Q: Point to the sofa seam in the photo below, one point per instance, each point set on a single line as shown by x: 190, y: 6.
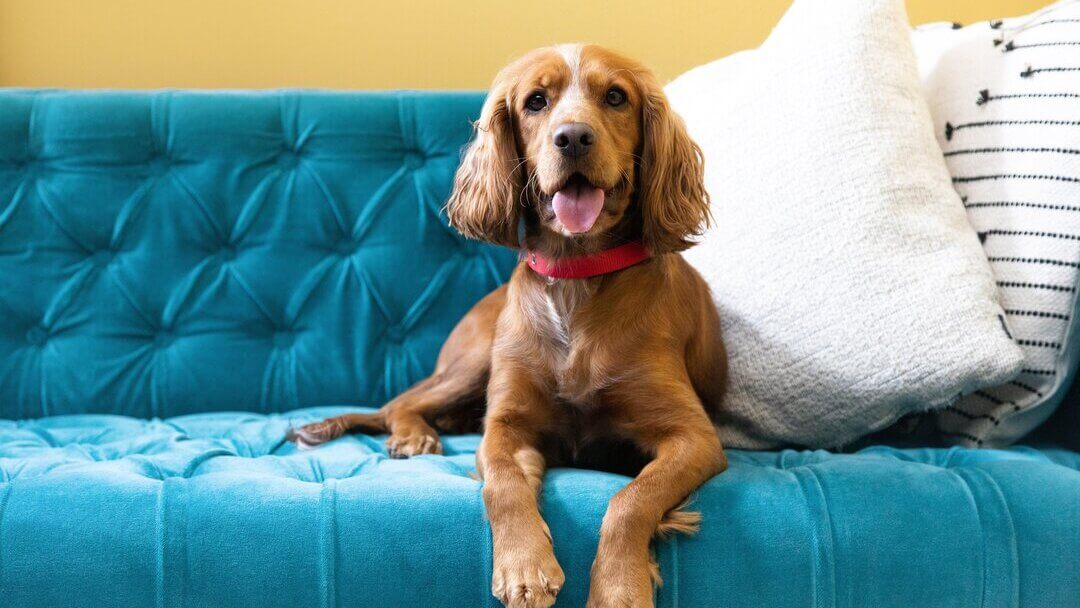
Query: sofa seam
x: 1014, y: 557
x: 328, y: 544
x: 958, y: 472
x: 6, y: 487
x: 159, y: 558
x: 1013, y: 552
x: 823, y: 545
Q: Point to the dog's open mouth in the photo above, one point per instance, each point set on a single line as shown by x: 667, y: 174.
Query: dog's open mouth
x: 578, y: 203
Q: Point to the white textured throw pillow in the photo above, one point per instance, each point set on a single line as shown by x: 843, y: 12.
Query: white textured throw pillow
x: 1005, y: 97
x: 851, y: 287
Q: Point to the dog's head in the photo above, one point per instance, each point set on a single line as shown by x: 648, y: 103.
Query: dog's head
x: 579, y: 140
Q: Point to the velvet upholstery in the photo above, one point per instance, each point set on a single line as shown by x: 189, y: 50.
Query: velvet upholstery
x: 185, y: 275
x: 216, y: 509
x: 182, y: 252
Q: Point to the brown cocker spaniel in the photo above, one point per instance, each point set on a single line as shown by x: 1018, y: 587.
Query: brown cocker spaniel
x: 604, y: 343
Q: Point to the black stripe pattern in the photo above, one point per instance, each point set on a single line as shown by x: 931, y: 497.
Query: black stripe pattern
x: 964, y: 179
x: 985, y: 97
x: 1031, y: 71
x: 951, y: 129
x: 1028, y: 204
x: 1012, y: 46
x: 1017, y: 260
x: 1036, y: 233
x: 1013, y: 155
x: 1023, y: 285
x: 1001, y: 150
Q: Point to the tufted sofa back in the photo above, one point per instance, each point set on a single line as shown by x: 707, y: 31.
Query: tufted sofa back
x: 177, y: 252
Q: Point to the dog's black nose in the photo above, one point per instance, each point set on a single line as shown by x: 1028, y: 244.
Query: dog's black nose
x: 574, y: 139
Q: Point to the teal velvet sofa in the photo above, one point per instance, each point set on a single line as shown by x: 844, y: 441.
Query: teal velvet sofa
x: 184, y: 275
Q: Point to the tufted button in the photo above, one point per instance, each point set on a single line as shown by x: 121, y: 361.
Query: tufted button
x: 346, y: 247
x: 102, y: 258
x: 284, y: 338
x: 288, y: 159
x: 414, y: 160
x: 28, y: 168
x: 158, y: 166
x: 163, y: 339
x: 227, y: 253
x: 395, y: 333
x: 37, y: 335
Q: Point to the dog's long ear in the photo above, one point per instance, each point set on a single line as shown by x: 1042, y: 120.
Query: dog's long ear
x: 484, y: 204
x: 671, y: 192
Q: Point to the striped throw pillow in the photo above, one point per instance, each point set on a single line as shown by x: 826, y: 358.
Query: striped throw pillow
x: 1005, y: 98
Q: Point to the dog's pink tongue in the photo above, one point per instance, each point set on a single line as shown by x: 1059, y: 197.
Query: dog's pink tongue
x: 578, y: 206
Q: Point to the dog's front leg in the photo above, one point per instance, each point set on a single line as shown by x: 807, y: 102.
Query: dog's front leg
x: 525, y: 573
x: 667, y: 419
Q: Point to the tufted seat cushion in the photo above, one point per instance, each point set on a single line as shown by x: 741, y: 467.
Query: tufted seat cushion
x: 216, y: 509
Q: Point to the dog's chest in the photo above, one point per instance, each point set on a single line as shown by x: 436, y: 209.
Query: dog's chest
x: 561, y: 300
x: 572, y: 350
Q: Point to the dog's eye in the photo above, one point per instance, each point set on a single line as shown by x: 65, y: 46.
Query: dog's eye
x: 536, y: 102
x: 615, y: 97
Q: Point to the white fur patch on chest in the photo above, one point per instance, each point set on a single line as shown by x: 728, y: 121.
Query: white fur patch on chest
x: 562, y: 300
x: 554, y: 311
x: 552, y: 308
x: 556, y: 320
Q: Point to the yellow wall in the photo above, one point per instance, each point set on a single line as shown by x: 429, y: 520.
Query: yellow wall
x: 366, y: 44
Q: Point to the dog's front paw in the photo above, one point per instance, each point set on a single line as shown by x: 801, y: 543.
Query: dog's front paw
x: 527, y: 579
x: 413, y: 444
x: 621, y: 583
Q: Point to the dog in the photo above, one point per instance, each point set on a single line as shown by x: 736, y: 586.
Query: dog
x: 604, y: 343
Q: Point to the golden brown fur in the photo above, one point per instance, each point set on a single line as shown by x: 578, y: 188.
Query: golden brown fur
x: 564, y: 371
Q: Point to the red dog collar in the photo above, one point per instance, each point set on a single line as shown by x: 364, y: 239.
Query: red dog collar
x: 584, y: 266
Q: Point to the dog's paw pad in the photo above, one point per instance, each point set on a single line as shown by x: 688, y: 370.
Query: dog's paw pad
x: 406, y: 446
x: 525, y: 587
